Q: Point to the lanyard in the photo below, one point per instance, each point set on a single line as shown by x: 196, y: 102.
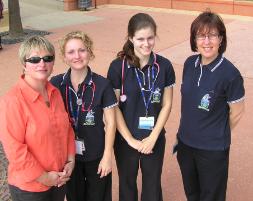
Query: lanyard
x: 151, y: 89
x: 70, y: 110
x: 123, y: 95
x: 149, y: 80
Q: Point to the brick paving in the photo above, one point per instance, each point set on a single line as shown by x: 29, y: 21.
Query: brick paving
x: 4, y: 191
x: 173, y: 43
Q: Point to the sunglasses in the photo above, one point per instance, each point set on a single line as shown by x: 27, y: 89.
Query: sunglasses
x: 35, y: 60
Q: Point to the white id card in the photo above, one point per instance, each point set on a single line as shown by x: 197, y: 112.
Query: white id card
x: 146, y: 123
x: 80, y: 148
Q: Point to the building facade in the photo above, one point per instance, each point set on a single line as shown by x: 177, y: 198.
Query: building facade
x: 234, y: 7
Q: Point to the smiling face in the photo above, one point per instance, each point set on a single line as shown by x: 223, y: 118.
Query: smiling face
x: 143, y: 42
x: 76, y: 55
x: 38, y: 71
x: 208, y: 43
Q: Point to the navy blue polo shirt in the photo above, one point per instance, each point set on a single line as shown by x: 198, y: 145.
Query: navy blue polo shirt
x: 92, y: 133
x: 134, y: 107
x: 206, y: 93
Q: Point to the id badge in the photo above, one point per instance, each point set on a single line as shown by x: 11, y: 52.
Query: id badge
x: 146, y: 123
x: 80, y: 148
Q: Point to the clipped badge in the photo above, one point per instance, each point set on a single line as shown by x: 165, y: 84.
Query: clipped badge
x: 156, y: 97
x: 89, y: 119
x: 204, y: 103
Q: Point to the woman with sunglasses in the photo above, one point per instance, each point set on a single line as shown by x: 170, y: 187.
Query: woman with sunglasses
x: 143, y: 84
x: 90, y: 101
x: 35, y: 131
x: 212, y: 105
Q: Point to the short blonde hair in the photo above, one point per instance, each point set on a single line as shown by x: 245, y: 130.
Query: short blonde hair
x: 34, y: 43
x: 88, y: 43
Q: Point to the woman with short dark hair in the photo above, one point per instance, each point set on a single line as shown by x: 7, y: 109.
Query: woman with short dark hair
x: 212, y: 104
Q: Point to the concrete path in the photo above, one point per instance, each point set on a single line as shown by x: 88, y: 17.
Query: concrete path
x: 107, y: 26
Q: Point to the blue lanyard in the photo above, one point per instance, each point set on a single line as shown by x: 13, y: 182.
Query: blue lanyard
x: 74, y: 114
x: 146, y: 103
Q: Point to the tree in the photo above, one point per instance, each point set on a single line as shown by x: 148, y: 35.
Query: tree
x: 15, y: 23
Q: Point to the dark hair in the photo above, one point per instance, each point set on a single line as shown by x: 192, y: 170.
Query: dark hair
x: 137, y: 22
x: 205, y: 22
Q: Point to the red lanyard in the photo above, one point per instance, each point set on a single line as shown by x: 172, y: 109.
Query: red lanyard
x: 93, y: 88
x: 122, y: 76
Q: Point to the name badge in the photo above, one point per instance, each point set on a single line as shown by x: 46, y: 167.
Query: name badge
x: 80, y: 148
x: 146, y: 123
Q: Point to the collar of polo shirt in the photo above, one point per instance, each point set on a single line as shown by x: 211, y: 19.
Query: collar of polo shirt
x: 213, y: 65
x: 151, y: 61
x: 66, y: 77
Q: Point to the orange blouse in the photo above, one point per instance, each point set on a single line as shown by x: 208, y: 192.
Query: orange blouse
x: 36, y: 138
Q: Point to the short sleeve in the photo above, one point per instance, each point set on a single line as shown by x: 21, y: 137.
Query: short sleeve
x: 235, y: 90
x: 114, y: 73
x: 109, y: 97
x: 170, y: 75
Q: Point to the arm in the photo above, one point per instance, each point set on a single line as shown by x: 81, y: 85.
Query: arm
x: 105, y: 165
x: 114, y: 75
x: 235, y: 114
x: 122, y: 127
x: 149, y: 142
x: 13, y: 131
x: 70, y: 163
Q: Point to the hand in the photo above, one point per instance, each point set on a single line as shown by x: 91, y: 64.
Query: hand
x: 63, y: 178
x: 136, y: 144
x: 148, y: 144
x: 66, y: 173
x: 68, y: 168
x: 105, y: 166
x: 49, y: 178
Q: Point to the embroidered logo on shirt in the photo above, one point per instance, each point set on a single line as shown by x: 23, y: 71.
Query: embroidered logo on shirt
x: 156, y: 97
x: 204, y: 103
x: 89, y: 119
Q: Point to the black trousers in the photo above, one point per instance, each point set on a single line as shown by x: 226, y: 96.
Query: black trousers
x: 53, y: 194
x: 86, y: 185
x: 128, y: 162
x: 204, y: 173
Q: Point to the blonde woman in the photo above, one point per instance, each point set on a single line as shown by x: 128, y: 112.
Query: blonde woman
x: 35, y: 131
x: 88, y: 97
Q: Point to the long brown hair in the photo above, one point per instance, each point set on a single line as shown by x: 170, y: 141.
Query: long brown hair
x: 136, y: 22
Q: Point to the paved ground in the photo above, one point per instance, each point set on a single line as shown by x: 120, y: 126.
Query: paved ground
x: 107, y: 26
